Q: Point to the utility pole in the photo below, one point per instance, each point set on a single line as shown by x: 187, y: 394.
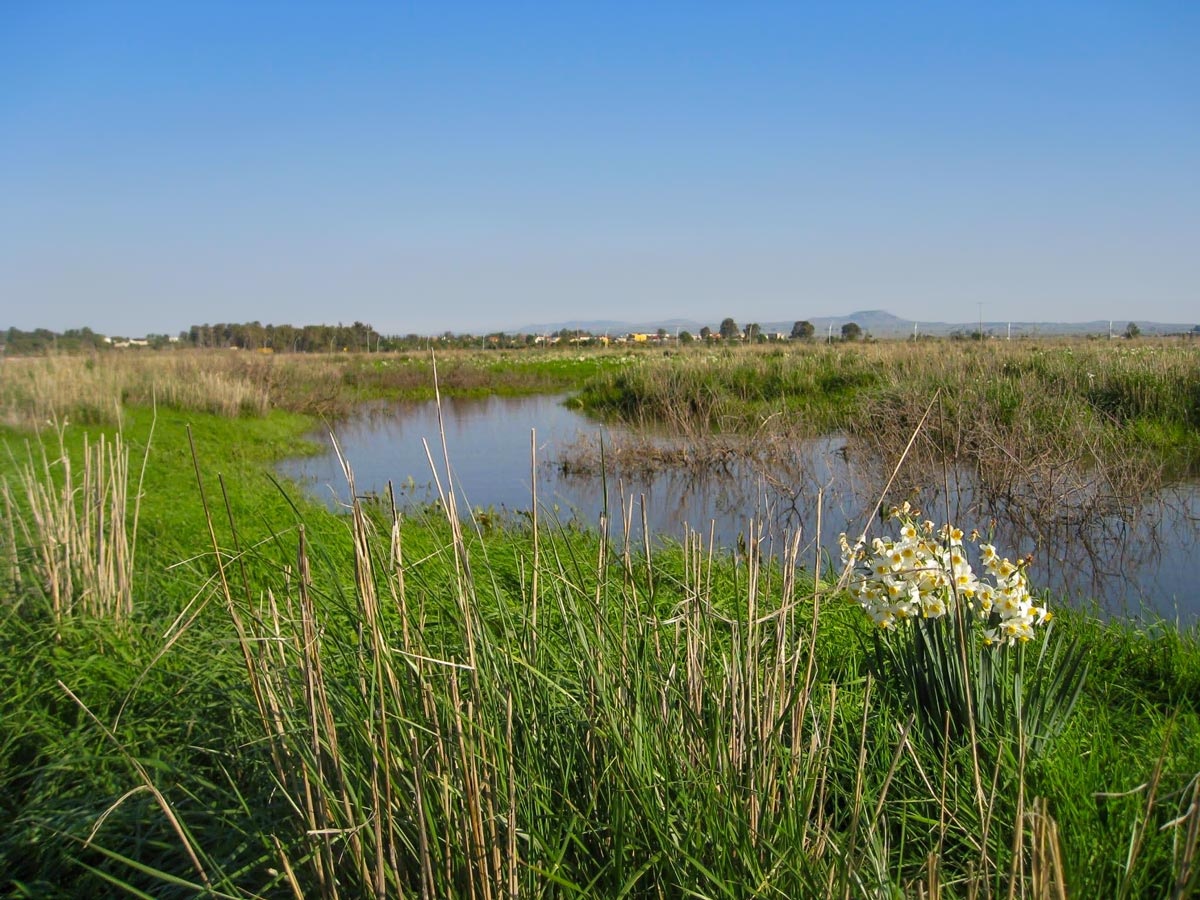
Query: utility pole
x: 980, y: 303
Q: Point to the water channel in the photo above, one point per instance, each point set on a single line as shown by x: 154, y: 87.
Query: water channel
x: 1128, y: 558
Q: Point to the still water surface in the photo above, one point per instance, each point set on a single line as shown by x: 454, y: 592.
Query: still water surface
x: 1130, y: 559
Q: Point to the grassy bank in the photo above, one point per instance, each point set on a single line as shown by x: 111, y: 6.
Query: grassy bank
x: 368, y: 705
x: 1010, y: 408
x: 90, y: 389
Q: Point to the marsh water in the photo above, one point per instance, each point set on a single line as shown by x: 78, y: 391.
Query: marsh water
x: 1128, y: 557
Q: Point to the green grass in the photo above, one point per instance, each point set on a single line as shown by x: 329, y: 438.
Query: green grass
x: 538, y: 710
x: 737, y: 391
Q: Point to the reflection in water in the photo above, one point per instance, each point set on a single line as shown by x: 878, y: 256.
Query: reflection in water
x: 1085, y: 545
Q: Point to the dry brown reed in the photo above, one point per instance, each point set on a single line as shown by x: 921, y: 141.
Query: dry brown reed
x: 88, y: 389
x: 72, y: 536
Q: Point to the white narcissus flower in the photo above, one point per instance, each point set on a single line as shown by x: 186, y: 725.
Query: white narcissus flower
x: 917, y: 576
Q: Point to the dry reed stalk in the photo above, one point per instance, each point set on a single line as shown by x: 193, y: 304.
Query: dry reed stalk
x: 932, y: 886
x: 267, y: 696
x: 163, y: 804
x: 1185, y: 851
x: 810, y: 665
x: 80, y: 531
x: 289, y: 873
x: 1047, y: 881
x: 514, y: 859
x: 986, y: 863
x: 320, y: 813
x: 1139, y: 831
x: 11, y: 553
x: 536, y: 566
x: 848, y: 861
x: 384, y: 686
x: 396, y: 582
x: 425, y: 857
x: 1016, y: 873
x: 821, y: 747
x: 943, y: 810
x: 901, y: 743
x: 479, y: 839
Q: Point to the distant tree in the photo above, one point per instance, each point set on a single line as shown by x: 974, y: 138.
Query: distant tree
x: 802, y: 330
x: 851, y: 331
x: 705, y: 333
x: 1132, y: 330
x: 752, y: 332
x: 685, y: 337
x: 729, y: 329
x: 662, y: 334
x: 14, y: 341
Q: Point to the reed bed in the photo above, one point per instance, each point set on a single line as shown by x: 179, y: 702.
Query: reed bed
x: 414, y: 706
x: 90, y: 389
x: 72, y: 535
x: 1053, y: 424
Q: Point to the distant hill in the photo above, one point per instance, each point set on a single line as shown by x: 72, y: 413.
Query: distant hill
x: 876, y: 322
x: 883, y: 324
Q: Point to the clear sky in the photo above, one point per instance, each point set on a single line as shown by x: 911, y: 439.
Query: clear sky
x: 476, y: 166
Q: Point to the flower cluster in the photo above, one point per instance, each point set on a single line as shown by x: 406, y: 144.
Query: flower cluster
x: 924, y: 572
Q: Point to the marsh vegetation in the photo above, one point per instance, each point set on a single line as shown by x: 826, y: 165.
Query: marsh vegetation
x: 1006, y: 407
x: 91, y: 389
x: 303, y: 703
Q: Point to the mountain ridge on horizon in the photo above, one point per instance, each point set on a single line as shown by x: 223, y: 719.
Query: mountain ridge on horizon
x: 876, y: 322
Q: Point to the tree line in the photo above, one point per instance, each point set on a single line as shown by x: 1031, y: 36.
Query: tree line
x: 354, y: 338
x: 43, y: 340
x: 284, y: 338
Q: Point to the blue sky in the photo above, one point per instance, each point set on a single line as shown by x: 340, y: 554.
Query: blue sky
x: 478, y: 166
